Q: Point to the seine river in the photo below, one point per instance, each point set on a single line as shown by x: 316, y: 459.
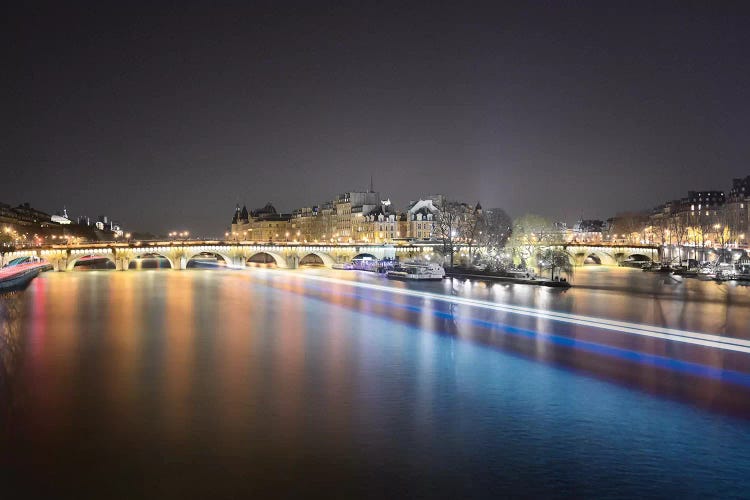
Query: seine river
x: 214, y: 383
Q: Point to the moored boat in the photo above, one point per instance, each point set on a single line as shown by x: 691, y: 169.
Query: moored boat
x: 657, y: 267
x: 20, y: 275
x: 634, y: 262
x: 417, y: 272
x: 725, y: 271
x: 347, y: 266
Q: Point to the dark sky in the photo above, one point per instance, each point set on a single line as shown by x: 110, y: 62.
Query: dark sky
x: 164, y: 116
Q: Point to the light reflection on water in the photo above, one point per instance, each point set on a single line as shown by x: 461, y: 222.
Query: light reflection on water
x: 215, y: 382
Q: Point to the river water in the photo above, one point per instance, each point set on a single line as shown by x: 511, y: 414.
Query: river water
x: 280, y: 383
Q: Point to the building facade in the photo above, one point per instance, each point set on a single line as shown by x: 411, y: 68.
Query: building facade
x: 264, y: 224
x: 706, y: 219
x: 737, y: 207
x: 353, y: 216
x: 421, y: 219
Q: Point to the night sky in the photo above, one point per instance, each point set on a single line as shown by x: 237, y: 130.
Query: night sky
x: 165, y: 116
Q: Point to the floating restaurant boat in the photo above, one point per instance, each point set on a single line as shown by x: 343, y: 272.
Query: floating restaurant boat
x: 725, y: 271
x: 657, y: 267
x: 637, y: 263
x: 687, y: 272
x: 417, y: 272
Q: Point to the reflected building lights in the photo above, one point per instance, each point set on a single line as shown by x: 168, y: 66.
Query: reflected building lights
x: 702, y: 339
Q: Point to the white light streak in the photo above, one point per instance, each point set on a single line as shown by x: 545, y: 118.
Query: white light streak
x: 702, y: 339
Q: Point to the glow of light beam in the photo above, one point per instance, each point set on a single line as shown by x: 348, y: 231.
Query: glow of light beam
x: 702, y: 339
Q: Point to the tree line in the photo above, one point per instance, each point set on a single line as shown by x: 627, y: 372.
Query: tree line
x: 494, y: 242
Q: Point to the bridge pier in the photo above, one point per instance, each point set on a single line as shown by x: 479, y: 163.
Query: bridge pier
x: 292, y: 262
x: 237, y: 262
x: 60, y: 265
x: 180, y: 263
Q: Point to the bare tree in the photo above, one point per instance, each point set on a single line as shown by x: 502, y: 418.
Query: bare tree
x: 470, y: 227
x: 531, y: 233
x: 6, y: 240
x: 704, y: 223
x: 629, y: 224
x: 555, y: 259
x: 678, y: 228
x: 726, y: 228
x: 494, y: 230
x: 448, y: 225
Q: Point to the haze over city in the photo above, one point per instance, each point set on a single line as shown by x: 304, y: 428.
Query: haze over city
x: 412, y: 249
x: 168, y: 115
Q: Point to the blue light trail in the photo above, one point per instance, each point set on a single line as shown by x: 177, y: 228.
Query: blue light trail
x: 622, y: 327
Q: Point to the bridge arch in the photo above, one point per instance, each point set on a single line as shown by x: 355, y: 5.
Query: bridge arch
x: 324, y: 258
x: 76, y: 258
x: 261, y: 257
x: 192, y: 255
x: 639, y: 257
x: 598, y: 257
x: 589, y: 256
x: 133, y: 263
x: 592, y: 259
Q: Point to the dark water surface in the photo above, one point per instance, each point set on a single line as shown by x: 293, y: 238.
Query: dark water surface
x: 206, y: 383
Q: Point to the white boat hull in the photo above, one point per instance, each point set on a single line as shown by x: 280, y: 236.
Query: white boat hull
x: 417, y: 272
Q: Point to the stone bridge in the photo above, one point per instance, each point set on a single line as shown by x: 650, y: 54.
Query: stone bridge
x: 608, y: 255
x: 287, y: 255
x: 235, y: 254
